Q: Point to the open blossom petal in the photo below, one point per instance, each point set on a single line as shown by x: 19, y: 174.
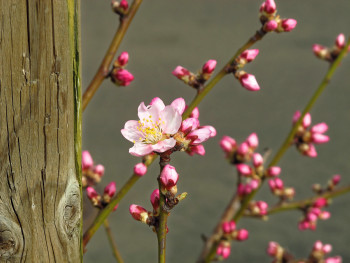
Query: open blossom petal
x: 131, y: 133
x: 140, y: 149
x: 164, y: 145
x: 148, y: 115
x: 200, y: 135
x: 170, y: 120
x: 179, y: 105
x: 158, y: 103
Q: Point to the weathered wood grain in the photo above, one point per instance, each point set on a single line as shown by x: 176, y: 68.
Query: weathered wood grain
x: 40, y: 197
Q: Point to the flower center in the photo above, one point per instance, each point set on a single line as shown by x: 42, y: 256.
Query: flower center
x: 151, y: 132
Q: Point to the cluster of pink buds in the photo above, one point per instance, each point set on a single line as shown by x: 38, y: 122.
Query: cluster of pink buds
x: 237, y: 154
x: 258, y: 208
x: 121, y: 7
x: 91, y: 174
x: 332, y: 183
x: 330, y: 54
x: 195, y: 80
x: 119, y: 74
x: 313, y: 213
x: 278, y: 189
x: 307, y: 136
x: 248, y: 81
x: 168, y: 179
x: 191, y: 134
x: 230, y: 233
x: 247, y: 187
x: 271, y: 21
x: 319, y: 251
x: 102, y: 201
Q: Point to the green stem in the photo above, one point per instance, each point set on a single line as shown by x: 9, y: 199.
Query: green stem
x: 223, y: 72
x: 104, y: 213
x: 103, y: 70
x: 112, y: 242
x: 212, y: 251
x: 300, y: 204
x: 163, y: 216
x: 310, y: 104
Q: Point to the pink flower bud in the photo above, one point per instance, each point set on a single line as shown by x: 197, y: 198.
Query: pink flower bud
x: 333, y: 260
x: 110, y: 189
x: 197, y: 149
x: 244, y: 169
x: 155, y: 199
x: 288, y: 24
x: 273, y: 171
x: 324, y: 215
x: 319, y: 138
x: 124, y: 5
x: 227, y: 144
x: 87, y: 161
x: 189, y: 124
x: 319, y: 128
x: 99, y: 169
x: 311, y: 152
x: 223, y: 250
x: 311, y: 217
x: 270, y: 26
x: 303, y: 225
x: 91, y: 192
x: 263, y: 206
x: 212, y: 130
x: 270, y: 6
x: 115, y: 208
x: 242, y: 234
x: 229, y: 227
x: 138, y: 213
x: 200, y: 135
x: 336, y: 179
x: 122, y: 77
x: 249, y: 82
x: 195, y: 113
x: 140, y: 169
x: 123, y: 59
x: 317, y: 246
x: 181, y: 72
x: 340, y: 41
x: 327, y: 248
x: 320, y: 51
x: 169, y: 176
x: 243, y: 148
x: 249, y: 54
x: 320, y: 202
x: 179, y: 105
x: 257, y: 159
x: 241, y: 189
x: 307, y: 120
x: 272, y: 249
x: 253, y: 140
x: 209, y: 66
x: 254, y: 184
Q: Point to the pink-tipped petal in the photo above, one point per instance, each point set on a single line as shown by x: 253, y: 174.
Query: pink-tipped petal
x: 248, y: 81
x: 179, y: 105
x: 189, y: 124
x: 200, y: 135
x: 158, y: 104
x: 87, y: 161
x: 209, y: 66
x: 110, y: 189
x: 319, y: 138
x: 319, y: 128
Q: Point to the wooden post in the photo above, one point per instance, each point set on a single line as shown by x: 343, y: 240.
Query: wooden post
x: 40, y: 131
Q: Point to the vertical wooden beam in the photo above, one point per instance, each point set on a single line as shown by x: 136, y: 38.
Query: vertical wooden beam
x: 40, y: 131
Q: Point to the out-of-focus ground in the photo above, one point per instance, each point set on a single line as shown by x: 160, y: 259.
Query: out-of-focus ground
x: 165, y: 34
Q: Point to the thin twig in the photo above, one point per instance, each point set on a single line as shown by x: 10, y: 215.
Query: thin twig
x: 112, y: 242
x: 210, y: 253
x: 104, y: 68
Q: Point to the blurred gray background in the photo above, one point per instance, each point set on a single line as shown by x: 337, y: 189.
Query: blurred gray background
x: 165, y: 34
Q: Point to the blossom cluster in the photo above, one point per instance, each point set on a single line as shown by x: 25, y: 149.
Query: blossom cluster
x: 119, y: 75
x: 313, y: 213
x: 330, y: 54
x: 306, y: 136
x: 223, y: 250
x: 271, y: 21
x: 91, y: 174
x: 161, y: 128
